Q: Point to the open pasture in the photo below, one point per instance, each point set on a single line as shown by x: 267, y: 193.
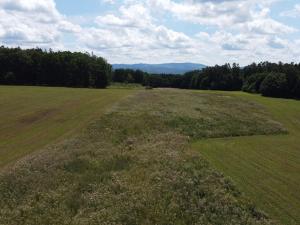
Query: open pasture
x: 134, y: 165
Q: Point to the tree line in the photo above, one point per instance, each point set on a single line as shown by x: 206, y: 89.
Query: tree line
x: 273, y: 79
x: 269, y: 79
x: 48, y: 68
x: 75, y: 69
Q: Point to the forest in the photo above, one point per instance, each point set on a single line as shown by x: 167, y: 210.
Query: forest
x: 49, y: 68
x: 67, y: 69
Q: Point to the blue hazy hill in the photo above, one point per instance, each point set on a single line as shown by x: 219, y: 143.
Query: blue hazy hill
x: 166, y: 68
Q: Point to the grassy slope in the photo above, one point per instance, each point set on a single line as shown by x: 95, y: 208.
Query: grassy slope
x: 134, y: 166
x: 32, y: 117
x: 266, y: 168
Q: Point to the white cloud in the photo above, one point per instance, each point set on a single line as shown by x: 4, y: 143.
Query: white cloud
x: 133, y: 31
x: 267, y: 26
x: 242, y: 34
x: 234, y: 31
x: 252, y: 15
x: 67, y: 26
x: 32, y: 22
x: 132, y: 16
x: 47, y: 7
x: 221, y: 13
x: 245, y: 48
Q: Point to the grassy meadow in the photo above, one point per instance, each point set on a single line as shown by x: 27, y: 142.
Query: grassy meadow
x: 266, y: 168
x: 33, y: 117
x: 134, y: 165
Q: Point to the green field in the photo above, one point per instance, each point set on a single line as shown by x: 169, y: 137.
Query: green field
x: 33, y: 117
x: 266, y: 168
x: 114, y: 159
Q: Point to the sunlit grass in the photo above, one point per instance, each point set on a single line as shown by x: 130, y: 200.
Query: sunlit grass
x: 33, y: 117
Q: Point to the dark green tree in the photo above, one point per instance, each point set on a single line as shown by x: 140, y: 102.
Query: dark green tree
x: 253, y: 82
x: 274, y: 85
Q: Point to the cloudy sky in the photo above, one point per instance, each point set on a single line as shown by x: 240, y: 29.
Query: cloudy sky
x: 158, y: 31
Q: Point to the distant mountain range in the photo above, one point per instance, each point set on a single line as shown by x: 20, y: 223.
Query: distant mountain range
x: 166, y: 68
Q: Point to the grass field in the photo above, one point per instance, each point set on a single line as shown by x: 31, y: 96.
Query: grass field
x: 134, y: 166
x: 266, y: 168
x: 33, y: 117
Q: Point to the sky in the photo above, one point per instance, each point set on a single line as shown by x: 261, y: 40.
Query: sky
x: 158, y: 31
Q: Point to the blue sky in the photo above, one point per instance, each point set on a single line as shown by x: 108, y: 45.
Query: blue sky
x: 157, y: 31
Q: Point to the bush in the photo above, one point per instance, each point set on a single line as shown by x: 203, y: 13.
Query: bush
x: 274, y: 85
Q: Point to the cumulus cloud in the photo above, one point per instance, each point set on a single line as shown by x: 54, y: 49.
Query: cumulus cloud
x: 136, y: 31
x: 133, y: 30
x: 245, y: 48
x: 244, y: 31
x: 132, y: 16
x: 47, y: 7
x: 248, y: 14
x: 32, y: 22
x: 220, y: 13
x: 267, y: 26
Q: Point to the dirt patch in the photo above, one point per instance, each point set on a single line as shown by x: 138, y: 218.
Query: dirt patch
x: 39, y: 115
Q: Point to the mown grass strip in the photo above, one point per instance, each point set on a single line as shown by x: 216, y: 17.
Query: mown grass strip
x: 33, y: 117
x: 266, y: 168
